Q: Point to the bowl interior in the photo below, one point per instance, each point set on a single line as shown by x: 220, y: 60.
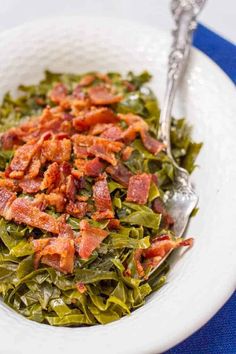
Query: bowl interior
x: 203, y: 279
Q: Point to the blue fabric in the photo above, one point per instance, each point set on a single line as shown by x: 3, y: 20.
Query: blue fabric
x: 218, y: 336
x: 218, y: 49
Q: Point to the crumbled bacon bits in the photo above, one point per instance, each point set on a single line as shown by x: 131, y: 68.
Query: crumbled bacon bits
x: 91, y: 237
x: 58, y: 93
x: 65, y: 159
x: 96, y: 115
x: 94, y: 167
x: 81, y: 288
x: 138, y: 188
x: 120, y: 174
x: 102, y: 199
x: 101, y: 95
x: 161, y: 245
x: 56, y: 252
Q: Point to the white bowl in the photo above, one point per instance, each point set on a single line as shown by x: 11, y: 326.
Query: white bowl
x: 202, y: 280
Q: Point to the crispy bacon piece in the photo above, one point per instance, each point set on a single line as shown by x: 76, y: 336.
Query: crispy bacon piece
x: 64, y: 248
x: 101, y: 95
x: 16, y: 174
x: 94, y: 167
x: 120, y: 174
x: 151, y: 263
x: 127, y: 272
x: 79, y: 101
x: 87, y: 80
x: 77, y: 242
x: 61, y: 136
x: 56, y: 150
x: 23, y: 156
x: 23, y: 211
x: 104, y: 152
x: 91, y: 238
x: 9, y: 139
x: 97, y: 115
x: 7, y: 172
x: 101, y: 215
x: 107, y: 130
x: 56, y: 252
x: 67, y: 255
x: 57, y: 200
x: 101, y: 195
x: 99, y: 128
x: 82, y: 198
x: 30, y: 185
x: 39, y: 129
x: 46, y: 116
x: 40, y: 201
x: 99, y: 147
x: 52, y: 120
x: 58, y: 93
x: 104, y: 77
x: 137, y: 261
x: 77, y: 209
x: 65, y: 126
x: 81, y: 288
x: 112, y: 133
x: 162, y: 245
x: 54, y: 125
x: 65, y: 169
x: 10, y: 184
x: 79, y: 178
x: 152, y: 256
x: 134, y: 120
x: 65, y: 229
x: 67, y: 117
x: 51, y: 176
x: 126, y: 153
x: 70, y: 188
x: 34, y: 167
x: 80, y: 165
x: 89, y: 140
x: 114, y: 224
x: 78, y: 93
x: 6, y: 199
x: 15, y: 136
x: 152, y: 145
x: 138, y: 125
x: 155, y: 179
x: 40, y: 244
x: 80, y: 152
x: 105, y: 149
x: 138, y: 188
x: 159, y: 207
x: 129, y: 134
x: 52, y: 260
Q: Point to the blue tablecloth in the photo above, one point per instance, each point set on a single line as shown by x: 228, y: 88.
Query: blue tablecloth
x: 218, y: 336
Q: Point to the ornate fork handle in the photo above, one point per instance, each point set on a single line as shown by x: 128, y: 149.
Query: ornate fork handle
x: 185, y: 13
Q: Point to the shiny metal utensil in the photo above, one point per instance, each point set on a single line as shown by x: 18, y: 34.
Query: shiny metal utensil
x: 181, y: 199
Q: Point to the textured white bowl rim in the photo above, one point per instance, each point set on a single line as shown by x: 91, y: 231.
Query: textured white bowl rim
x: 21, y: 336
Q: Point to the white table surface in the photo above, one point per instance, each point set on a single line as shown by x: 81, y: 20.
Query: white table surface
x: 219, y: 15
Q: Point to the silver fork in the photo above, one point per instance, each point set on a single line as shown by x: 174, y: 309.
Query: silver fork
x: 181, y: 199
